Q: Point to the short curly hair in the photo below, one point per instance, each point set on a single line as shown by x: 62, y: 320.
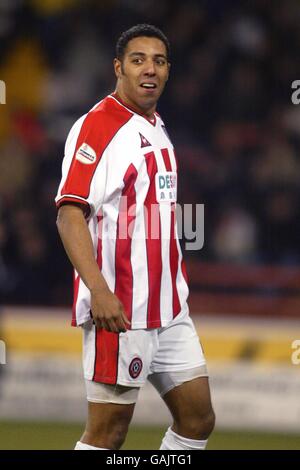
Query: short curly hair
x: 139, y: 30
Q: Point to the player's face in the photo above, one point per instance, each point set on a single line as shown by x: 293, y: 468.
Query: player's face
x: 143, y: 73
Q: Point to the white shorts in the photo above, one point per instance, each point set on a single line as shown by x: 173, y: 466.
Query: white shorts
x: 129, y: 358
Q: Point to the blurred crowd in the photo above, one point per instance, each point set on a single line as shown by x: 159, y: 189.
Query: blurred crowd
x: 227, y: 107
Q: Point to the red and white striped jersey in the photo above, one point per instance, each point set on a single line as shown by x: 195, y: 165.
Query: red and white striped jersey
x: 122, y: 166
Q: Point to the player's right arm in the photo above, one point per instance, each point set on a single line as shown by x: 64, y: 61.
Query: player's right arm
x: 107, y: 311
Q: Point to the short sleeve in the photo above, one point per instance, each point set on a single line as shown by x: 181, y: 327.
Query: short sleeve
x: 83, y: 162
x: 83, y: 153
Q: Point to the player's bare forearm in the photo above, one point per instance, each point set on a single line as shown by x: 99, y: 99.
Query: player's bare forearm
x: 106, y: 308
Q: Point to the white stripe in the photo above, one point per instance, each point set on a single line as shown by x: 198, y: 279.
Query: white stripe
x: 181, y: 284
x: 89, y: 349
x: 109, y: 231
x: 139, y: 252
x: 98, y: 230
x: 83, y: 304
x: 75, y: 304
x: 172, y: 159
x: 182, y: 287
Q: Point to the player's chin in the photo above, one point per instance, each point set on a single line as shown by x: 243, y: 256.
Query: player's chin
x: 150, y: 97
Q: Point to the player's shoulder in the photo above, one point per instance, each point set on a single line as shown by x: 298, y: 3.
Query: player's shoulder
x: 108, y: 113
x: 103, y: 120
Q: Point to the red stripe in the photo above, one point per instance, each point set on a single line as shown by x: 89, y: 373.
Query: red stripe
x: 174, y: 255
x: 98, y: 128
x: 125, y: 226
x: 153, y: 246
x: 166, y: 157
x: 183, y: 270
x: 76, y: 281
x: 107, y: 344
x: 106, y: 357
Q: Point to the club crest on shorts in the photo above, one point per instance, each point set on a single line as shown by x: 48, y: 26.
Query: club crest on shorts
x: 135, y: 367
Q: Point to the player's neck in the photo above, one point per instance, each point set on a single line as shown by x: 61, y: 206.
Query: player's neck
x: 149, y: 113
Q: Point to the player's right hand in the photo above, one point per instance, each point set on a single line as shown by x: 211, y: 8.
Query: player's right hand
x: 108, y: 312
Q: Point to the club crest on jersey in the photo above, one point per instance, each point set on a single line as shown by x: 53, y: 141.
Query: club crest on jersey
x: 135, y: 367
x: 85, y: 154
x: 166, y: 186
x: 144, y: 141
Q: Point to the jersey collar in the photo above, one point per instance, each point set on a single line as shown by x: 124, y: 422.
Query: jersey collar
x: 118, y: 99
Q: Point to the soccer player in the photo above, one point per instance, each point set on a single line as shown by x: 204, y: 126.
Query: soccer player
x: 117, y: 222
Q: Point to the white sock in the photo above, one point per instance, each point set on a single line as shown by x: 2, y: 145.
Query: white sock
x: 173, y: 441
x: 82, y: 446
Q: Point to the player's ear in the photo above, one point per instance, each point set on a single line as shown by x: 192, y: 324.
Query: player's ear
x: 118, y: 68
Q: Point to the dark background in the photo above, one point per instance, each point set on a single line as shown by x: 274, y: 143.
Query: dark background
x: 227, y: 108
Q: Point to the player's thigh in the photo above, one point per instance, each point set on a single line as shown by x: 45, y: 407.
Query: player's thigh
x: 179, y: 356
x: 115, y: 367
x: 179, y: 371
x: 109, y: 406
x: 190, y: 401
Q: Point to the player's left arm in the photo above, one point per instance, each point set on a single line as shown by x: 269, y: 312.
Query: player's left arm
x: 107, y: 310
